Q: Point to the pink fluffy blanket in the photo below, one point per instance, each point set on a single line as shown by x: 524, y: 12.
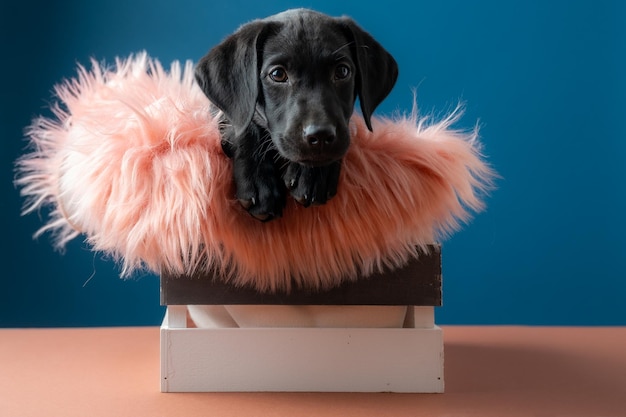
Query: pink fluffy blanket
x: 132, y: 161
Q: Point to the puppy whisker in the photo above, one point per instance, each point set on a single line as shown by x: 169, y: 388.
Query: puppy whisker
x: 336, y: 51
x: 265, y: 146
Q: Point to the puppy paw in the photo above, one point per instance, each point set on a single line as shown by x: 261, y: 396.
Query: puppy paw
x: 260, y: 191
x: 312, y: 185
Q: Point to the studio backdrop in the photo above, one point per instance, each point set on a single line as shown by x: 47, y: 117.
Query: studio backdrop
x: 544, y: 82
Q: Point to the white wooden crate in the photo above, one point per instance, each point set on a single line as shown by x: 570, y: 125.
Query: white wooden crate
x: 406, y: 359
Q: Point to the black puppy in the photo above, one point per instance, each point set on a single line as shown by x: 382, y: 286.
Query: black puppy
x: 287, y: 86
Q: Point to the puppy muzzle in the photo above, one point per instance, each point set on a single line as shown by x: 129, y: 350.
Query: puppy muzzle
x: 318, y: 145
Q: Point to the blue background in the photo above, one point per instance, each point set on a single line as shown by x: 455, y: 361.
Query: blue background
x: 546, y: 80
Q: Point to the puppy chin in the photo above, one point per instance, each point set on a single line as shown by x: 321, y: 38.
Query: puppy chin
x: 311, y: 159
x: 316, y: 162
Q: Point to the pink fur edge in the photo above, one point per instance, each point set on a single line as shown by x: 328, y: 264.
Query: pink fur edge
x: 133, y: 162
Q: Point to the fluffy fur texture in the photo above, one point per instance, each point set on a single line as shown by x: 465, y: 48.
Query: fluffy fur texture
x: 132, y: 160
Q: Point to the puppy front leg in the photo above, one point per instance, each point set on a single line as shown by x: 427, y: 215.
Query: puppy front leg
x: 260, y: 189
x: 311, y: 185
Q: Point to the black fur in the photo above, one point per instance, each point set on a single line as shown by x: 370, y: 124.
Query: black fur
x: 287, y: 86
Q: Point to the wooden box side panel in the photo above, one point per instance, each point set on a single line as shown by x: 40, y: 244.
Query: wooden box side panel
x: 417, y: 283
x: 311, y: 360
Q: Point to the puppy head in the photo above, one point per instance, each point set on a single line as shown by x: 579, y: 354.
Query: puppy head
x: 297, y: 74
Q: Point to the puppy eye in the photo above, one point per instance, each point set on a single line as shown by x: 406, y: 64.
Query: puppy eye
x: 279, y: 75
x: 342, y: 71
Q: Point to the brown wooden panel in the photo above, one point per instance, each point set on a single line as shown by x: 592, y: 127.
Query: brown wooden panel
x: 417, y: 283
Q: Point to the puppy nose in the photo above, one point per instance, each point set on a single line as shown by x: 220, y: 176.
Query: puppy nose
x: 317, y: 136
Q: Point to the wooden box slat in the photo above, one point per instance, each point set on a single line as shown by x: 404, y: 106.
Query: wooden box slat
x: 418, y: 283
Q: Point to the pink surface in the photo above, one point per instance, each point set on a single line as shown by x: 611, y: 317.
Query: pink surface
x: 490, y: 371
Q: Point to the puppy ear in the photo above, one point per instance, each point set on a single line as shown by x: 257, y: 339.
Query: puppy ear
x: 229, y: 73
x: 377, y: 70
